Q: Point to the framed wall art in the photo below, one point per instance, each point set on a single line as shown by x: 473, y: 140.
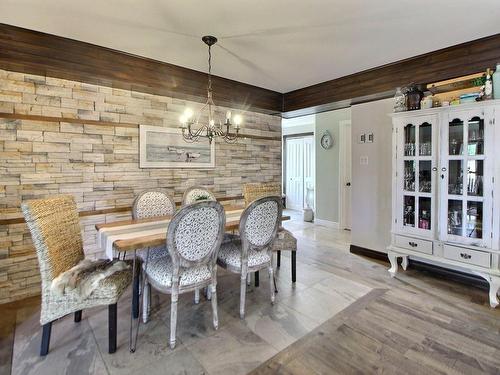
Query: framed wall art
x: 161, y: 147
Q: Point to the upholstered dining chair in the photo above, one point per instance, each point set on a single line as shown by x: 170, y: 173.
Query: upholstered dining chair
x: 192, y: 195
x: 194, y: 237
x: 285, y: 240
x: 148, y: 204
x: 56, y: 234
x: 195, y: 194
x: 252, y: 252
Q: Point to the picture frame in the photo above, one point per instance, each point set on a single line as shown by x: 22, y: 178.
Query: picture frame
x: 161, y: 147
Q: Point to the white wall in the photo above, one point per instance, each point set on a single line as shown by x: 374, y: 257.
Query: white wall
x: 298, y: 125
x: 371, y: 183
x: 327, y: 165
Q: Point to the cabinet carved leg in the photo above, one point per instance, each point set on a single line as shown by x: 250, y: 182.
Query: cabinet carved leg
x: 494, y: 288
x: 404, y: 263
x: 393, y: 258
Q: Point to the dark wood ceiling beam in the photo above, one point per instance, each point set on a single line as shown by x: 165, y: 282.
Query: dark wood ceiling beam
x: 39, y: 53
x: 34, y: 52
x: 377, y: 83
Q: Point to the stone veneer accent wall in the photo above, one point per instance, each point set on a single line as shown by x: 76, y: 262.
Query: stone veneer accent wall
x: 99, y: 163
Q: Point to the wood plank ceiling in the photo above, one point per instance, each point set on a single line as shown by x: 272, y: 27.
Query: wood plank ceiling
x: 34, y: 52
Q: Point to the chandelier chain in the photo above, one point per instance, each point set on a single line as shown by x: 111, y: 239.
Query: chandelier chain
x: 210, y: 68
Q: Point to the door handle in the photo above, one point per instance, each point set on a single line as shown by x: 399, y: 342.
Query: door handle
x: 348, y: 184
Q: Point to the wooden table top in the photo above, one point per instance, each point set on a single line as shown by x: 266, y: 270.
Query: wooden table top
x: 159, y: 239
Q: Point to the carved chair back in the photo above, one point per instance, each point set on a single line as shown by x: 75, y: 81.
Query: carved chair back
x: 55, y: 229
x: 259, y: 224
x: 195, y: 234
x: 195, y: 194
x: 153, y: 203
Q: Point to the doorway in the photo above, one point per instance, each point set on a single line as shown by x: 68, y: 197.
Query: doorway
x: 345, y: 170
x: 299, y: 170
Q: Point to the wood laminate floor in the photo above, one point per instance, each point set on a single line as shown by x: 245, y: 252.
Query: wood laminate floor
x: 345, y: 315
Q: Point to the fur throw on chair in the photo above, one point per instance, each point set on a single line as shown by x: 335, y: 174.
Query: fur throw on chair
x: 85, y: 277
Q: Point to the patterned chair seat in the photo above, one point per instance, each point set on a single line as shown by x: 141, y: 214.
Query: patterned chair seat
x: 230, y: 255
x: 284, y: 241
x: 160, y: 271
x: 155, y: 252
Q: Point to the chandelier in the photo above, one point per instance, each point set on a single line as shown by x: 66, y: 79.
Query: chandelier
x: 193, y: 128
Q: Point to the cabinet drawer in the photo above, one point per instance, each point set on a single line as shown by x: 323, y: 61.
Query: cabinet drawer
x: 414, y: 244
x: 469, y: 256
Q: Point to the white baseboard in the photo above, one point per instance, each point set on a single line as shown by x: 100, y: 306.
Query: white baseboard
x: 327, y: 223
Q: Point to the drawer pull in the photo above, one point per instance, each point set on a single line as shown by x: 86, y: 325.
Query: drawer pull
x: 465, y: 255
x: 412, y: 244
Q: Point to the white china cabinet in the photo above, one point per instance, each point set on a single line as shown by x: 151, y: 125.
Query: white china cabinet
x: 446, y: 189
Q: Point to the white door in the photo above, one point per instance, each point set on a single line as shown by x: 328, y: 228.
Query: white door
x: 295, y: 173
x: 299, y: 171
x: 345, y: 175
x: 309, y: 170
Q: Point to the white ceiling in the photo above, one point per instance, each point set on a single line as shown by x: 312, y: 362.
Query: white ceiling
x: 277, y: 44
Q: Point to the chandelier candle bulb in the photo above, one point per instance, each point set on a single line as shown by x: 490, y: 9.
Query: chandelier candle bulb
x: 237, y: 121
x: 188, y: 113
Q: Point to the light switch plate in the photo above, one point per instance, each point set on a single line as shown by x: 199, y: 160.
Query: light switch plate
x: 362, y: 138
x: 369, y: 138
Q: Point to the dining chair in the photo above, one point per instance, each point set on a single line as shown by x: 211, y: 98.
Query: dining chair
x: 285, y: 240
x: 195, y: 194
x: 148, y: 204
x: 252, y: 252
x: 56, y: 234
x: 194, y: 237
x: 192, y: 195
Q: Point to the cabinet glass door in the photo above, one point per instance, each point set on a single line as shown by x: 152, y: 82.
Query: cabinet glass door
x: 463, y: 173
x: 416, y: 167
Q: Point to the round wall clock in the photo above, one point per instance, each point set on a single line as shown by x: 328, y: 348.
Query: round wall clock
x: 326, y: 140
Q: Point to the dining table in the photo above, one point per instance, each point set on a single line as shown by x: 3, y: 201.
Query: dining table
x: 127, y: 236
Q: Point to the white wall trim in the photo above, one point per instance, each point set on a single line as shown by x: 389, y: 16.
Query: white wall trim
x: 342, y: 169
x: 327, y: 223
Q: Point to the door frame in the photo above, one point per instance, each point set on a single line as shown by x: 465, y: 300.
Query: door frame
x: 343, y: 169
x: 283, y: 160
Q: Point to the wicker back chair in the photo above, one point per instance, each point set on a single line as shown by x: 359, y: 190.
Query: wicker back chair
x: 194, y: 237
x: 196, y: 194
x: 56, y: 234
x: 253, y: 191
x: 258, y: 226
x: 285, y: 239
